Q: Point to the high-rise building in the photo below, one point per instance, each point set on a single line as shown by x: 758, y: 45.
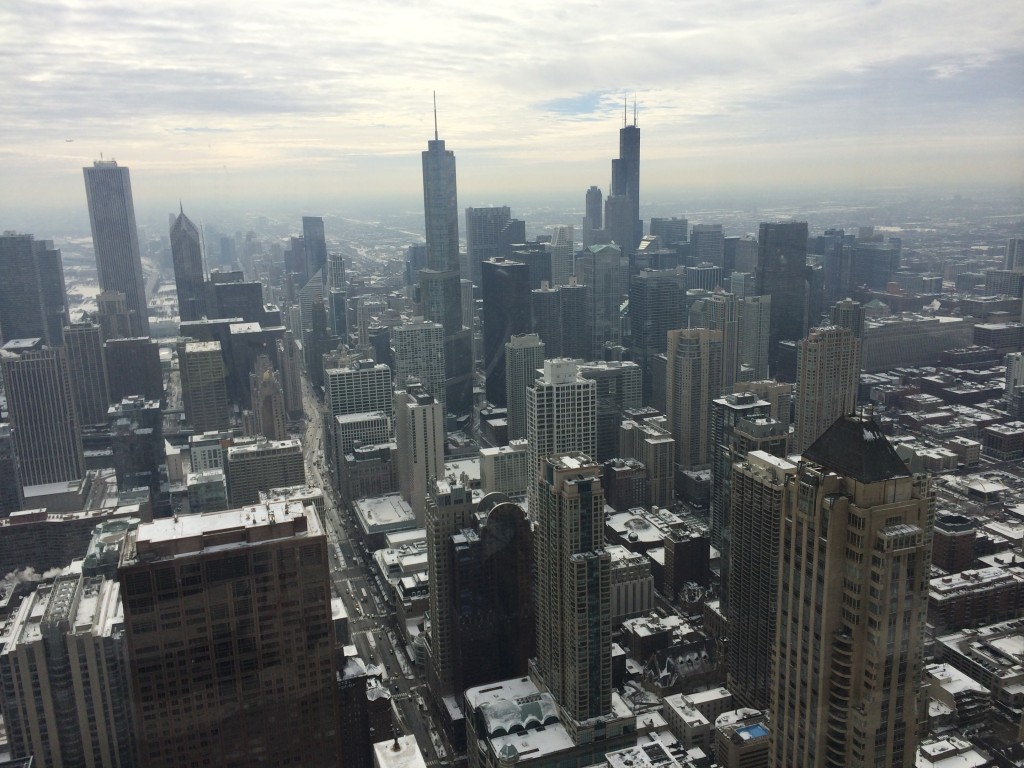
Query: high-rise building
x: 83, y: 345
x: 599, y: 269
x: 33, y: 302
x: 704, y: 276
x: 649, y: 441
x: 754, y: 324
x: 420, y: 350
x: 576, y: 313
x: 189, y: 271
x: 483, y: 242
x: 707, y: 245
x: 693, y: 380
x: 505, y: 286
x: 47, y: 434
x: 1014, y: 254
x: 419, y: 433
x: 755, y: 500
x: 227, y: 619
x: 828, y: 369
x: 593, y: 217
x: 617, y: 389
x: 854, y: 561
x: 524, y: 357
x: 546, y: 317
x: 63, y: 678
x: 656, y: 306
x: 260, y: 465
x: 267, y: 397
x: 561, y: 417
x: 137, y: 442
x: 113, y: 316
x: 440, y: 290
x: 358, y: 388
x: 291, y: 373
x: 133, y: 368
x: 672, y: 230
x: 782, y: 274
x: 626, y: 185
x: 562, y: 249
x: 848, y: 313
x: 204, y: 392
x: 315, y: 242
x: 720, y: 312
x: 115, y: 239
x: 573, y: 586
x: 10, y: 483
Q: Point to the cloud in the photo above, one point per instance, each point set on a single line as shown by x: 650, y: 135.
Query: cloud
x: 531, y: 91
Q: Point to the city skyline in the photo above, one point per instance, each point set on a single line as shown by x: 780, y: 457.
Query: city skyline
x: 773, y: 96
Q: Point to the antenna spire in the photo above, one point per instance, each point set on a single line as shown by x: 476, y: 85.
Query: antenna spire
x: 623, y: 110
x: 634, y: 110
x: 435, y: 115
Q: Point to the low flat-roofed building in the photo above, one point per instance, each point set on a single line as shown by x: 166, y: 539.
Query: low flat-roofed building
x: 691, y: 726
x: 966, y: 699
x: 378, y: 516
x: 741, y: 739
x: 975, y: 597
x: 400, y: 752
x: 950, y: 752
x: 503, y: 469
x: 992, y: 656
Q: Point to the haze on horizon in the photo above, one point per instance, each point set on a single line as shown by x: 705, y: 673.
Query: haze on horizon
x: 299, y: 104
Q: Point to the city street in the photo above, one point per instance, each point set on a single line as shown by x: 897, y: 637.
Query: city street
x: 372, y: 626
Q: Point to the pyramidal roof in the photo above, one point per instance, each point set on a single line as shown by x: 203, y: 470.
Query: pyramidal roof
x: 855, y: 447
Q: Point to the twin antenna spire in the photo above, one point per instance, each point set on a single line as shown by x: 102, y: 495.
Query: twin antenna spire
x: 624, y: 117
x: 435, y: 115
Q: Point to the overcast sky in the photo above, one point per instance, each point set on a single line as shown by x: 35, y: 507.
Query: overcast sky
x: 321, y: 103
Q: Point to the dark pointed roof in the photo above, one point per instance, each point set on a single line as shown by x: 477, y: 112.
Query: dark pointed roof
x: 856, y: 447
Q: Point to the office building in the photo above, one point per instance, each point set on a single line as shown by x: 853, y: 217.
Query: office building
x: 189, y: 269
x: 506, y: 313
x: 573, y: 586
x: 524, y: 357
x: 782, y: 274
x: 10, y: 483
x: 291, y: 374
x: 855, y: 544
x: 693, y: 379
x: 593, y: 217
x: 657, y: 304
x: 483, y: 238
x: 267, y: 397
x: 87, y: 367
x: 740, y: 423
x: 227, y: 619
x: 828, y: 369
x: 115, y: 239
x: 848, y: 313
x: 252, y: 467
x: 617, y: 389
x: 314, y: 244
x: 561, y: 417
x: 648, y: 440
x: 63, y: 678
x: 133, y: 368
x: 113, y: 315
x: 204, y: 391
x: 754, y: 328
x: 599, y: 269
x: 419, y: 348
x: 720, y: 312
x: 503, y: 469
x: 707, y: 245
x: 440, y: 290
x: 576, y: 311
x: 740, y: 254
x: 670, y: 231
x: 40, y: 404
x: 546, y: 317
x: 757, y: 482
x: 137, y: 442
x: 627, y: 228
x: 419, y: 433
x: 362, y: 386
x: 1014, y: 254
x: 33, y: 302
x: 562, y: 248
x: 207, y: 491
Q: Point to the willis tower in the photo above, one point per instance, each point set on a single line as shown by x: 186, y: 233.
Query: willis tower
x: 440, y: 287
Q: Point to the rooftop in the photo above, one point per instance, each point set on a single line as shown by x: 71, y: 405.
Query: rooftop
x: 856, y: 447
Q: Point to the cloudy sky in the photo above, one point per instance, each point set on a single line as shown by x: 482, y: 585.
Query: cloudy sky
x: 324, y: 103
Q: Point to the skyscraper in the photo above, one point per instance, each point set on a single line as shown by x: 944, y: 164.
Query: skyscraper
x: 420, y: 353
x: 707, y: 245
x: 754, y: 328
x: 315, y: 246
x: 87, y: 367
x: 419, y: 433
x: 546, y: 317
x: 626, y: 184
x: 47, y: 435
x: 782, y: 274
x: 33, y: 302
x: 204, y: 390
x: 599, y: 269
x: 133, y: 368
x: 257, y: 466
x: 359, y: 388
x: 189, y: 272
x: 573, y: 592
x: 562, y: 248
x: 720, y: 312
x: 267, y: 396
x: 247, y: 671
x: 440, y: 290
x: 828, y: 368
x: 505, y: 287
x: 657, y: 304
x: 483, y: 241
x: 693, y: 380
x: 524, y: 357
x: 1014, y: 254
x: 115, y: 238
x: 617, y: 389
x: 593, y: 217
x: 854, y: 561
x: 561, y: 417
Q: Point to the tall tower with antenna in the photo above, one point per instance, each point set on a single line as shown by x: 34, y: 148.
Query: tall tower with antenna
x: 623, y: 214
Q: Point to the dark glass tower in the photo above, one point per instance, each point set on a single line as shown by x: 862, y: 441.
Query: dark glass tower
x: 782, y: 274
x: 187, y: 255
x: 316, y: 245
x: 506, y: 313
x: 115, y: 238
x: 626, y: 184
x: 440, y: 289
x: 33, y: 303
